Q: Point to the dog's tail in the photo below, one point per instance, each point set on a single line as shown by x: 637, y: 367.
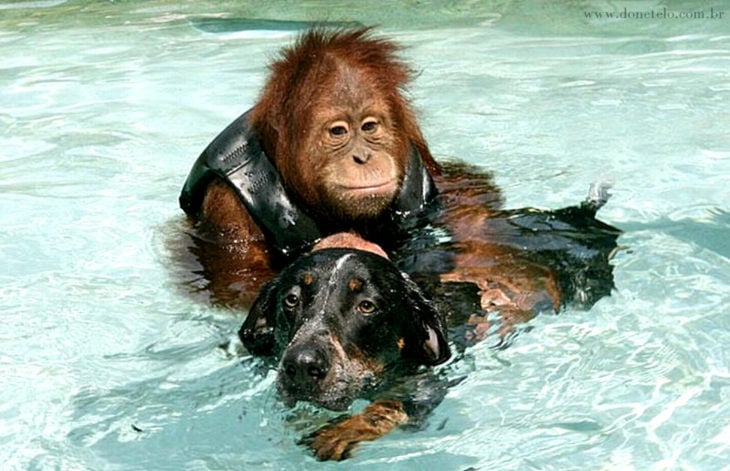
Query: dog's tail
x: 597, y: 197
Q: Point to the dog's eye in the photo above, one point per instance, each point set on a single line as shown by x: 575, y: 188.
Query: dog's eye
x: 367, y: 307
x: 291, y: 300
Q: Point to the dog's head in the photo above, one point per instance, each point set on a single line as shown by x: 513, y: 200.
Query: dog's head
x: 339, y: 319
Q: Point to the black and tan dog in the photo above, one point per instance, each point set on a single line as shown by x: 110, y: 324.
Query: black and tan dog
x: 344, y: 322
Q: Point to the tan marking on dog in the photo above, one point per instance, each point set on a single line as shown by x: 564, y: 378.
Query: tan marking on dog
x: 355, y: 285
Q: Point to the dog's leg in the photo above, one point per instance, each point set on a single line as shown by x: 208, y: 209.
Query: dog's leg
x: 406, y: 404
x: 336, y: 441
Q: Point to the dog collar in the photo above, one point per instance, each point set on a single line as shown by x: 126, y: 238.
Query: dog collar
x: 236, y: 157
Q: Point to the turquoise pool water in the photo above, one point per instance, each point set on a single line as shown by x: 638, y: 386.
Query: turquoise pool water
x: 106, y: 363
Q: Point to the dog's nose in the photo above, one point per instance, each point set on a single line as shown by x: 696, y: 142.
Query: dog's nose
x: 305, y: 366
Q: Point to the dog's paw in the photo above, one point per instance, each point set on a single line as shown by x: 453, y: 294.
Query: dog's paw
x: 338, y: 440
x: 334, y: 442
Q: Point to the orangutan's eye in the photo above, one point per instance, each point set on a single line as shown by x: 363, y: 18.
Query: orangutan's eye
x: 339, y: 129
x: 370, y: 125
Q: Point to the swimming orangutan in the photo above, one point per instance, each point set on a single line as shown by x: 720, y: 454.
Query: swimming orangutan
x: 332, y: 145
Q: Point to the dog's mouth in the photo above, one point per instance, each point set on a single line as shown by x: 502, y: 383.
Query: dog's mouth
x: 335, y: 392
x: 336, y: 398
x: 337, y: 404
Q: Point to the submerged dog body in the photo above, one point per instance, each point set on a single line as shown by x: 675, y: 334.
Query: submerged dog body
x: 343, y: 323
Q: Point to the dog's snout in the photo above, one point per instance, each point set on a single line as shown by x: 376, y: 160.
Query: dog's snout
x: 305, y: 366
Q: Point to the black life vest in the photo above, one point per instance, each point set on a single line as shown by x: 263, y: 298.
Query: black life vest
x: 236, y: 157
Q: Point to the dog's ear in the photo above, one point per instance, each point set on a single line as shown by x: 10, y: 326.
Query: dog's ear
x: 426, y: 337
x: 257, y: 331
